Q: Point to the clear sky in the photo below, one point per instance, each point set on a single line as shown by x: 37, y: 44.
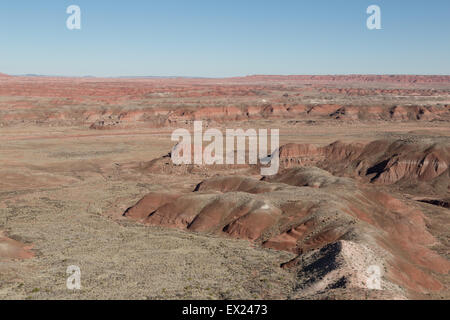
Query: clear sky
x: 220, y: 38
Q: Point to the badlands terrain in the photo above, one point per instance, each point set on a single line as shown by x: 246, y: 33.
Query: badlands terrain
x: 86, y: 179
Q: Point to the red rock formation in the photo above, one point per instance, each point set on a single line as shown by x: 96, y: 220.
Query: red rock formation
x: 306, y: 209
x: 157, y: 102
x: 382, y: 161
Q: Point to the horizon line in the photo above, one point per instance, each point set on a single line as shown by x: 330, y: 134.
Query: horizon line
x: 220, y: 77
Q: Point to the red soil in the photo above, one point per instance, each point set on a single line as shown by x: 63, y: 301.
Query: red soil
x: 12, y: 249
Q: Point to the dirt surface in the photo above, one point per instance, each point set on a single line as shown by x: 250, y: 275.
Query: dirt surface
x: 77, y: 153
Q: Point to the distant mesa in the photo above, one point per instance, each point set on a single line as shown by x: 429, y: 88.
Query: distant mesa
x: 361, y: 78
x: 358, y: 78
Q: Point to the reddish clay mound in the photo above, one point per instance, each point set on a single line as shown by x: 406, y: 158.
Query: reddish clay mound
x: 304, y: 209
x: 397, y: 113
x: 241, y: 206
x: 382, y: 162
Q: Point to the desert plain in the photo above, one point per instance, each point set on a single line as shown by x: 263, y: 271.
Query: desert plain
x: 86, y: 179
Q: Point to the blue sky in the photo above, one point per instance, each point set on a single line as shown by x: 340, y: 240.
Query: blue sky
x: 224, y: 38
